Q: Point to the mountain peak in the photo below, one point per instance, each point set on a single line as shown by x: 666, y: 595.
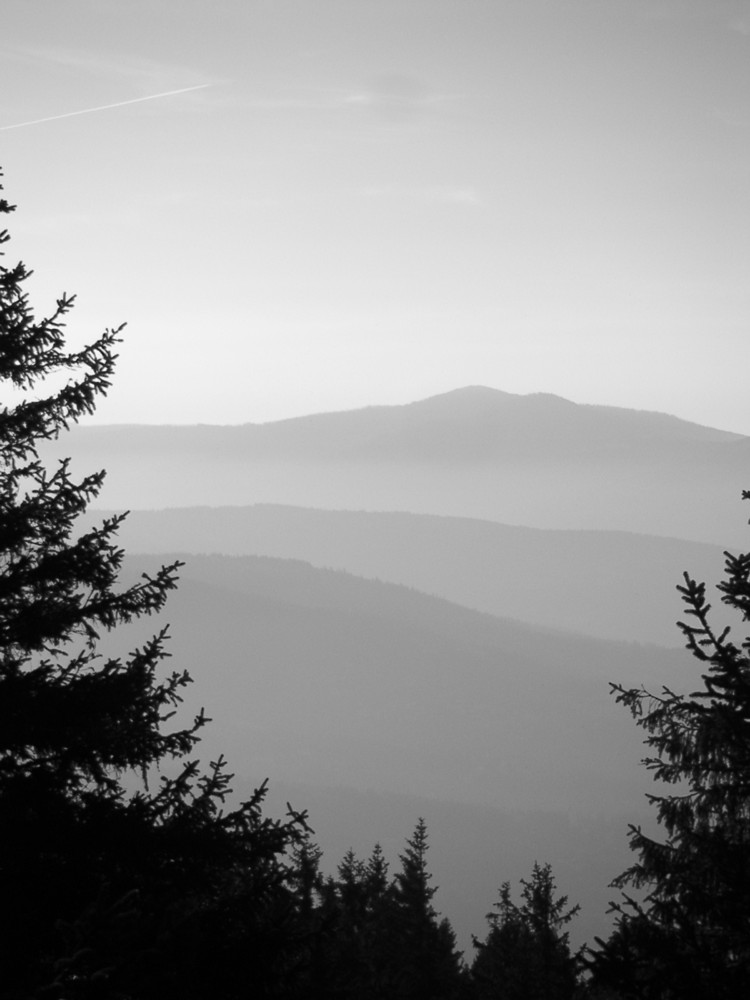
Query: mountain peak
x: 485, y: 393
x: 483, y: 401
x: 466, y: 393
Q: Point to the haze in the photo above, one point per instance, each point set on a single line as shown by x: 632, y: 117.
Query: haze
x: 417, y: 610
x: 302, y: 207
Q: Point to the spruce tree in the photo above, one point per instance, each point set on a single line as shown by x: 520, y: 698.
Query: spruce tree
x: 376, y: 878
x: 526, y: 954
x: 688, y: 935
x: 382, y: 937
x: 105, y: 890
x: 425, y: 956
x: 351, y: 941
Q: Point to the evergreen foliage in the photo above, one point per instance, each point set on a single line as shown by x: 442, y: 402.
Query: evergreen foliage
x: 106, y: 891
x: 526, y: 954
x: 423, y: 946
x: 372, y: 937
x: 689, y: 937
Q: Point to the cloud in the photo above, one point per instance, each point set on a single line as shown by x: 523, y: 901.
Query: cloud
x: 741, y: 25
x: 100, y: 74
x: 290, y: 104
x: 392, y: 99
x: 454, y: 196
x: 395, y: 98
x: 141, y: 73
x: 440, y: 194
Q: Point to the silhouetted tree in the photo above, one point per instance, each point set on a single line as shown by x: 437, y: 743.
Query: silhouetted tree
x: 689, y: 936
x: 379, y: 938
x: 306, y: 878
x: 106, y: 892
x: 354, y: 918
x: 315, y: 909
x: 422, y: 945
x: 352, y: 940
x: 376, y: 876
x: 526, y: 954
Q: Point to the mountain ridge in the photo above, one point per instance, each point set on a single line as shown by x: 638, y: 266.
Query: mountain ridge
x: 403, y: 691
x: 504, y: 736
x: 614, y: 585
x: 465, y: 426
x: 474, y: 395
x: 480, y: 453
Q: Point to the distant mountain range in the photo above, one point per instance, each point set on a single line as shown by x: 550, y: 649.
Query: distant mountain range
x: 535, y: 460
x: 611, y: 585
x: 419, y: 609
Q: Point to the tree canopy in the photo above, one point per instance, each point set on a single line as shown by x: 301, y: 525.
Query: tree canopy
x: 688, y: 934
x: 526, y: 954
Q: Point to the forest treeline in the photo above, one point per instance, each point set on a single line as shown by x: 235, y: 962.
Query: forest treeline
x: 126, y: 871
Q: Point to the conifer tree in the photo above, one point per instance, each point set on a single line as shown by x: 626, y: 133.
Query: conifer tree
x: 376, y: 878
x: 382, y: 938
x: 104, y: 891
x: 423, y: 946
x: 306, y: 877
x: 315, y: 907
x: 526, y: 954
x: 688, y: 936
x: 352, y: 941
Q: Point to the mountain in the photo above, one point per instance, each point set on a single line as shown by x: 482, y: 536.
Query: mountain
x: 473, y: 423
x: 613, y: 585
x: 316, y: 676
x: 535, y: 460
x: 366, y: 700
x: 355, y: 693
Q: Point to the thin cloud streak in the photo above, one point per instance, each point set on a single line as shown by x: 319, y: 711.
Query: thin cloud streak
x: 106, y: 107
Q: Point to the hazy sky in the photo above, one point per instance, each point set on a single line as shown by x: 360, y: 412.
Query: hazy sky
x: 372, y: 201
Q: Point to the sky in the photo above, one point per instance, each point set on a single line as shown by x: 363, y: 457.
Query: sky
x: 312, y: 205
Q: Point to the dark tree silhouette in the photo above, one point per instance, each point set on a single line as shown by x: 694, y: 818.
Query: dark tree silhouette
x: 354, y: 944
x: 350, y: 945
x: 371, y: 937
x: 526, y: 954
x: 423, y: 945
x: 105, y: 890
x: 689, y: 935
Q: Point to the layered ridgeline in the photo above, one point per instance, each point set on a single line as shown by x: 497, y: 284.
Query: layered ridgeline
x: 372, y: 704
x: 316, y: 674
x: 613, y: 585
x: 535, y: 460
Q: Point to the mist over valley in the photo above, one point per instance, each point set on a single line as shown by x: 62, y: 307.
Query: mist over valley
x: 385, y: 653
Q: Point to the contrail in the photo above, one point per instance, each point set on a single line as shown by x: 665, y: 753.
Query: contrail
x: 106, y: 107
